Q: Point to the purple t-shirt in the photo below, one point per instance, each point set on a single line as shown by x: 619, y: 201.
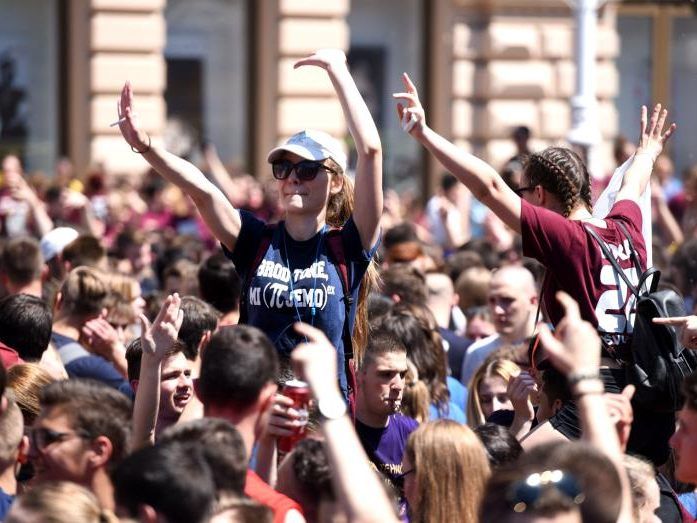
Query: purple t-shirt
x: 385, y: 446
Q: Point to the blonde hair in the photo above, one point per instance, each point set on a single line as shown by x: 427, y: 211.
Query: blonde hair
x: 502, y: 368
x: 339, y: 209
x: 11, y: 432
x: 416, y: 399
x: 26, y: 381
x: 83, y: 292
x: 451, y: 469
x: 59, y: 502
x: 122, y: 285
x: 639, y: 472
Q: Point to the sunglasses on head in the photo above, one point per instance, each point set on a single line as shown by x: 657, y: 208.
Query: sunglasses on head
x: 305, y: 170
x: 525, y: 494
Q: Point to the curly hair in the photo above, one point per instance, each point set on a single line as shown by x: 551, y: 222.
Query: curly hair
x: 562, y: 172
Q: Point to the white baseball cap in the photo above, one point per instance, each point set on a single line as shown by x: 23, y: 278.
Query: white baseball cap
x: 53, y: 242
x: 312, y: 145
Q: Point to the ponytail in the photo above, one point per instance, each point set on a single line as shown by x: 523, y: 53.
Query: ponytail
x: 416, y: 399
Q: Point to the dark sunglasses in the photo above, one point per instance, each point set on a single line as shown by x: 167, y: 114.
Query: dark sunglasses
x: 520, y: 190
x: 42, y: 437
x: 305, y: 170
x: 524, y: 494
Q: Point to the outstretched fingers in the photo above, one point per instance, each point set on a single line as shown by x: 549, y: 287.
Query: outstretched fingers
x: 673, y: 320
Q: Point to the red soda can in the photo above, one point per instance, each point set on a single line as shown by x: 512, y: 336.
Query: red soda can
x: 299, y: 392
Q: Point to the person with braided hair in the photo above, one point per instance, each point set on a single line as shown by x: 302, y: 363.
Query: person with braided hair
x: 552, y: 210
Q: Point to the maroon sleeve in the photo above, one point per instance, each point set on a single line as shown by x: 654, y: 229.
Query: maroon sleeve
x: 629, y: 213
x: 547, y: 234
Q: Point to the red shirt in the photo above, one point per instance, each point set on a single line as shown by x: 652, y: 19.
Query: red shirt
x: 260, y: 491
x: 576, y: 265
x: 8, y: 356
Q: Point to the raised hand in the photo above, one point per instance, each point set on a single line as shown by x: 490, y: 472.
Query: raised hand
x: 619, y: 408
x: 157, y: 339
x: 411, y: 116
x: 522, y: 389
x: 652, y: 137
x: 576, y: 347
x: 327, y: 59
x: 128, y: 122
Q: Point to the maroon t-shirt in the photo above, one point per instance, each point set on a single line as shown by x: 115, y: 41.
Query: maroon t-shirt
x: 575, y: 264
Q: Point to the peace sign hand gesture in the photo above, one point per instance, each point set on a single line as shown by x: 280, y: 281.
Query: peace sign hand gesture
x: 128, y: 122
x: 158, y: 338
x: 652, y: 138
x: 412, y: 117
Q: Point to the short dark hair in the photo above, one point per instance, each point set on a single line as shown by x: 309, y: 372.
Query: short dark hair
x: 199, y: 317
x: 174, y: 479
x: 94, y: 408
x: 84, y: 250
x: 312, y: 469
x: 134, y: 356
x: 25, y: 325
x: 380, y: 342
x: 222, y: 446
x: 448, y: 181
x: 405, y: 281
x: 219, y: 283
x: 401, y: 233
x: 501, y: 446
x: 555, y: 385
x: 237, y: 363
x: 21, y: 260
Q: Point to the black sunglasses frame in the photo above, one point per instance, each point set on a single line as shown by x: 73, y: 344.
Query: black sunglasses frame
x: 524, y: 494
x: 305, y: 170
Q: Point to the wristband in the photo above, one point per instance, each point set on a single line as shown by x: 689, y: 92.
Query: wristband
x: 586, y: 387
x: 577, y: 377
x: 147, y: 148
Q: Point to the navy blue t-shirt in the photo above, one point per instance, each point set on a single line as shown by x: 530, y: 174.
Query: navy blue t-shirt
x: 299, y: 281
x: 6, y: 501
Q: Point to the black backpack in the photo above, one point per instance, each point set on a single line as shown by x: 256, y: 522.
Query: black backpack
x: 657, y: 361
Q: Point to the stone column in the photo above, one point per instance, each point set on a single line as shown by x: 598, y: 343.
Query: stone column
x: 287, y: 100
x: 112, y: 41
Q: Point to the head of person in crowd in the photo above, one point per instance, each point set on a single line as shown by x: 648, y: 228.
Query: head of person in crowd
x: 556, y: 179
x: 126, y: 288
x: 223, y: 449
x: 521, y: 136
x: 81, y: 297
x: 684, y: 441
x: 401, y: 244
x: 404, y: 283
x: 683, y: 271
x: 237, y: 381
x: 560, y: 482
x: 135, y: 249
x: 445, y: 469
x: 168, y: 482
x: 81, y: 434
x: 21, y: 266
x: 622, y: 149
x: 472, y: 287
x: 305, y: 475
x: 553, y: 395
x: 488, y: 390
x: 479, y: 322
x: 501, y: 446
x: 415, y: 328
x: 460, y: 261
x: 120, y: 315
x: 25, y: 325
x: 14, y: 445
x: 85, y: 250
x: 378, y: 306
x: 181, y: 277
x: 513, y: 301
x: 221, y: 286
x: 26, y: 381
x: 52, y: 245
x: 59, y: 502
x: 646, y: 496
x: 200, y: 322
x: 441, y: 297
x: 176, y: 385
x: 380, y: 378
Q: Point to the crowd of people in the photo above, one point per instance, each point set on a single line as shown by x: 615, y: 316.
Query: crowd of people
x: 467, y: 360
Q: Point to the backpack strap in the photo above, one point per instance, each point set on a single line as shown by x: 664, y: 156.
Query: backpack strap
x: 606, y: 252
x: 264, y: 242
x: 644, y: 275
x: 335, y: 245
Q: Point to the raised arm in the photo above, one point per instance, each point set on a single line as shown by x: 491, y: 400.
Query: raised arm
x: 365, y: 135
x: 156, y: 340
x: 357, y: 486
x: 220, y: 216
x: 479, y: 177
x: 651, y: 142
x: 577, y: 355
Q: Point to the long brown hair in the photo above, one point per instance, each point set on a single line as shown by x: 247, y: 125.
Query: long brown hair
x: 451, y: 470
x: 495, y: 366
x: 339, y: 209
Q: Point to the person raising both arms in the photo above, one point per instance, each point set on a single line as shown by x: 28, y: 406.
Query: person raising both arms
x: 297, y: 277
x: 552, y: 210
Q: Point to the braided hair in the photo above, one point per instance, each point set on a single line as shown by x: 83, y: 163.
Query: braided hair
x: 561, y: 172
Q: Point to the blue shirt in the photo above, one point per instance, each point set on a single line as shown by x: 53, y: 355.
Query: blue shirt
x: 299, y: 281
x: 6, y: 501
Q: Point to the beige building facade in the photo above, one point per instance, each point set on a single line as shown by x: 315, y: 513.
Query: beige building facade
x: 222, y: 70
